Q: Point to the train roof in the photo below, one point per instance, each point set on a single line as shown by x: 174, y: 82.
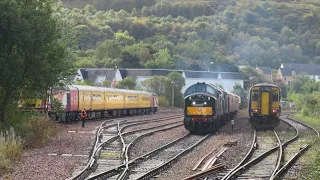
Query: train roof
x: 265, y: 84
x: 104, y: 89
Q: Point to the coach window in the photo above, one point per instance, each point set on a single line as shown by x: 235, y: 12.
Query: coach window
x: 275, y: 97
x: 255, y: 96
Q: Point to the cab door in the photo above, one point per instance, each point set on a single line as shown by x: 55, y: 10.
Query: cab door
x: 265, y: 103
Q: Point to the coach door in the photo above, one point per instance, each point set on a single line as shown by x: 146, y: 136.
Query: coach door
x: 68, y: 102
x: 265, y: 101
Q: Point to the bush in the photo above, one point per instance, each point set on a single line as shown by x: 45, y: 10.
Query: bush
x: 11, y: 149
x: 163, y: 101
x: 38, y: 130
x: 33, y: 127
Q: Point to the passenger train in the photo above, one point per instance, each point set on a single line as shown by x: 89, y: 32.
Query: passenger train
x: 99, y: 102
x: 264, y: 106
x: 208, y: 106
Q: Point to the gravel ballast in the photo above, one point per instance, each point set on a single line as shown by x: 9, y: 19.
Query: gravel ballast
x: 43, y: 163
x: 241, y: 134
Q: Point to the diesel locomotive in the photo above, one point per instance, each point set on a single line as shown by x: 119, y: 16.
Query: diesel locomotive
x: 207, y: 107
x: 264, y: 106
x: 99, y: 102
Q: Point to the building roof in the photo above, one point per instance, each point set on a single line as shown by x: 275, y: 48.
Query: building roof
x: 288, y: 71
x: 98, y: 74
x: 230, y: 75
x: 265, y: 70
x: 201, y: 74
x: 146, y: 72
x: 101, y: 74
x: 297, y: 65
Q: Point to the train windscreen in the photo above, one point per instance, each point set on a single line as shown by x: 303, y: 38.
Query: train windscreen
x: 199, y: 88
x: 199, y: 101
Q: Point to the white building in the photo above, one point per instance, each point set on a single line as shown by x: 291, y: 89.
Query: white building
x: 226, y: 79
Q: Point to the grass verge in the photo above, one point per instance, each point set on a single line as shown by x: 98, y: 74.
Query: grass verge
x: 311, y: 162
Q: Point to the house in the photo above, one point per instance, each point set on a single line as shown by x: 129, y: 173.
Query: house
x: 96, y: 75
x: 226, y: 79
x: 288, y: 71
x: 266, y: 71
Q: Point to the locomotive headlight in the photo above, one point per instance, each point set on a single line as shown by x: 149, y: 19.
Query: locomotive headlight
x: 205, y: 103
x: 193, y: 103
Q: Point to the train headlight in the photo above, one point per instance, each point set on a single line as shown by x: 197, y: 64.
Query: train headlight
x: 274, y: 111
x: 193, y: 103
x: 205, y: 103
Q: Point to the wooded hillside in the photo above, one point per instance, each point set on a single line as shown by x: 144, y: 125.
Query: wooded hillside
x: 191, y: 34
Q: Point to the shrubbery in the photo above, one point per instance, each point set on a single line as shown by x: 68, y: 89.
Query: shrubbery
x: 23, y: 130
x: 11, y: 149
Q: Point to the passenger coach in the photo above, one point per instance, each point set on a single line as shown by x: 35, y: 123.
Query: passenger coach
x: 99, y: 102
x: 264, y: 106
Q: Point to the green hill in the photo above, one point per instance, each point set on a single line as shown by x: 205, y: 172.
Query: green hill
x: 191, y: 34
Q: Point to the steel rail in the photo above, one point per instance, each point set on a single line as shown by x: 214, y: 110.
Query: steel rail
x: 248, y: 155
x: 90, y: 166
x: 287, y: 166
x: 279, y: 156
x: 168, y: 163
x: 237, y: 168
x: 120, y: 168
x: 125, y: 172
x: 206, y: 172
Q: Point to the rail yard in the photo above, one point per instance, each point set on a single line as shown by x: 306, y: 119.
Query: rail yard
x: 158, y: 146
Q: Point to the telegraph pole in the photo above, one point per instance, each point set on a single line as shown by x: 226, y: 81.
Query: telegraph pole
x: 115, y: 74
x: 172, y: 91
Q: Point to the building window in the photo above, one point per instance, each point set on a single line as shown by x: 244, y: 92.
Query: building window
x: 289, y: 83
x: 285, y: 78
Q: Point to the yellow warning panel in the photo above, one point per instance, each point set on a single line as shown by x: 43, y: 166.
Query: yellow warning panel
x: 199, y: 110
x: 265, y: 97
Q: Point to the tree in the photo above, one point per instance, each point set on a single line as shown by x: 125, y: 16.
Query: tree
x: 123, y: 38
x: 127, y: 83
x: 297, y: 84
x: 32, y: 53
x: 310, y: 86
x: 108, y: 49
x: 176, y: 82
x: 155, y: 84
x: 139, y: 29
x: 284, y: 90
x: 250, y: 75
x: 163, y: 60
x: 130, y: 60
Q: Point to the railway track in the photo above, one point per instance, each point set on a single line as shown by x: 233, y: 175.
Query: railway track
x: 153, y: 162
x: 111, y: 133
x: 262, y: 162
x: 296, y: 149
